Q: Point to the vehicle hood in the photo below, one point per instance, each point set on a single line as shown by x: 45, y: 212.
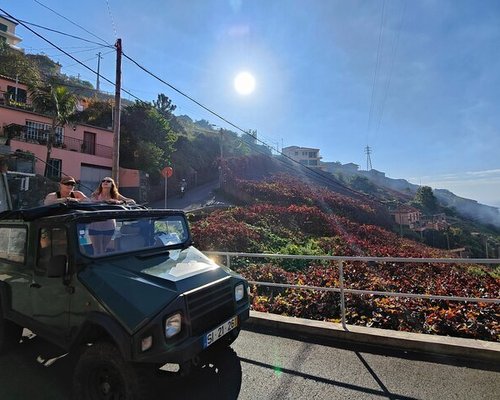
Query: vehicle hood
x: 134, y: 288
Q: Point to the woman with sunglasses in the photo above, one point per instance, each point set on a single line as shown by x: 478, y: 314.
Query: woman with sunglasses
x: 101, y: 232
x: 66, y: 192
x: 108, y: 192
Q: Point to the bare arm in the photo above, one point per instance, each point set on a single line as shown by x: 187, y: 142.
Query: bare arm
x: 126, y: 199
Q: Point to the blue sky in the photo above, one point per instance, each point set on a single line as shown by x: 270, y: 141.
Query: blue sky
x: 417, y: 81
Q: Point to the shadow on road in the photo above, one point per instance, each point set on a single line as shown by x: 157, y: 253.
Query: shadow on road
x: 37, y: 370
x: 376, y: 349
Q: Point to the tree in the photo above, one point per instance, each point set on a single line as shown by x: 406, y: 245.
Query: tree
x: 425, y: 199
x: 58, y: 103
x: 166, y: 108
x: 146, y: 138
x: 15, y: 64
x: 97, y: 113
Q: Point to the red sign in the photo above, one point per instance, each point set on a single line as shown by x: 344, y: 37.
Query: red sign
x: 167, y: 172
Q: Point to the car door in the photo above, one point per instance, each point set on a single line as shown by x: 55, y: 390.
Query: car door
x: 15, y: 271
x: 49, y: 294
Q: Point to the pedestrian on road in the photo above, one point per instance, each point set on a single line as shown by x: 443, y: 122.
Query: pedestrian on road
x: 66, y: 192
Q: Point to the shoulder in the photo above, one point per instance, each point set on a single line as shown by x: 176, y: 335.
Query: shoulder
x: 79, y: 195
x: 50, y: 198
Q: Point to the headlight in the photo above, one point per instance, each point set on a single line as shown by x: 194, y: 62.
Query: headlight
x: 173, y: 325
x: 239, y: 292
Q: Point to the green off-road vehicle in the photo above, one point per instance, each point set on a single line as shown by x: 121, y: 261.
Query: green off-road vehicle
x: 147, y: 299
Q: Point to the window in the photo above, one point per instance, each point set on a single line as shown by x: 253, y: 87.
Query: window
x: 3, y: 28
x: 38, y: 131
x: 13, y: 243
x: 313, y: 162
x: 51, y: 242
x: 21, y: 94
x: 88, y: 145
x: 312, y: 154
x: 55, y: 166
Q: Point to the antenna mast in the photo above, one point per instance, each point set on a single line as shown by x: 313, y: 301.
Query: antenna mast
x: 368, y: 151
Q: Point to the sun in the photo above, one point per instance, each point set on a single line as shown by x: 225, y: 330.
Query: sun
x: 244, y: 83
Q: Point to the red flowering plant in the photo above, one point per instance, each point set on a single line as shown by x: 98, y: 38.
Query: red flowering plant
x: 285, y: 216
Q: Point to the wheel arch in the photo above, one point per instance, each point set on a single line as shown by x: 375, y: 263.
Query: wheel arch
x: 101, y: 327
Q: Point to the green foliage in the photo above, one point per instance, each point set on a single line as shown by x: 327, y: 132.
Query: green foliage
x: 425, y: 199
x: 98, y: 113
x: 58, y: 103
x: 310, y: 248
x: 145, y: 137
x: 14, y: 63
x: 362, y: 184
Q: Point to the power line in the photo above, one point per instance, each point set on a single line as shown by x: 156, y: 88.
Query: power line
x: 70, y: 21
x: 308, y: 169
x: 61, y: 33
x: 60, y: 49
x: 393, y: 57
x: 112, y: 19
x: 377, y: 65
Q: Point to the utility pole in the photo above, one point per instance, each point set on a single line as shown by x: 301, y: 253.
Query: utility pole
x: 98, y: 68
x: 15, y: 90
x: 368, y: 151
x: 115, y: 172
x: 221, y: 159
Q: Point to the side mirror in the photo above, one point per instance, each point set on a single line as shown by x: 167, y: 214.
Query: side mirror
x: 57, y: 266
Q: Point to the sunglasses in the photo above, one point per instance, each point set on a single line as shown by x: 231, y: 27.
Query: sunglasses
x: 69, y: 183
x: 107, y: 181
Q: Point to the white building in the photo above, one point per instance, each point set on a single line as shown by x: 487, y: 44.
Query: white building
x: 304, y: 155
x: 8, y: 32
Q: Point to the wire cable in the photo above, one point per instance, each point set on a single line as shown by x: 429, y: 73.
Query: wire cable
x: 307, y: 169
x: 62, y: 33
x: 375, y: 75
x: 74, y: 23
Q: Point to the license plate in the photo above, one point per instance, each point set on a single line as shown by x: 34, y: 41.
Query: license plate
x: 217, y: 333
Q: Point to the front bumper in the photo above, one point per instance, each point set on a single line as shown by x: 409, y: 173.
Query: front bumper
x: 178, y: 350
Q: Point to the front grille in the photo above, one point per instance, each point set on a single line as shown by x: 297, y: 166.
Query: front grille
x: 210, y: 306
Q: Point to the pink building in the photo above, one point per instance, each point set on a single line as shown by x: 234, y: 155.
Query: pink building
x: 82, y: 151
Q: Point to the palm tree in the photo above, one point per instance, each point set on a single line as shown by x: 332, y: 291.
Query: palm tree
x: 59, y: 104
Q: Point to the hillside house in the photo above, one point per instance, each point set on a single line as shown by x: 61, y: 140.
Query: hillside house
x: 437, y: 222
x: 8, y: 32
x: 407, y: 216
x: 82, y: 151
x: 305, y: 155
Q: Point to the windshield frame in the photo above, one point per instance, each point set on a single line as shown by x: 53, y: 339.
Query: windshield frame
x: 123, y: 233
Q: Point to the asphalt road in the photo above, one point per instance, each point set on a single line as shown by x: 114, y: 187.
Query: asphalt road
x: 195, y: 197
x: 262, y: 366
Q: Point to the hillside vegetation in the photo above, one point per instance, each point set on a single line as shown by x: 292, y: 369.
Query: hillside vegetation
x: 284, y: 215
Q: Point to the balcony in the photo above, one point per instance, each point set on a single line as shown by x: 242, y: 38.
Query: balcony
x: 38, y: 136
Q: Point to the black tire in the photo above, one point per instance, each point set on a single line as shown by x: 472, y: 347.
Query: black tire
x: 10, y: 333
x: 102, y: 373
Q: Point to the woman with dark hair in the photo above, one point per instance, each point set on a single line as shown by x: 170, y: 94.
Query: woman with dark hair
x: 101, y: 232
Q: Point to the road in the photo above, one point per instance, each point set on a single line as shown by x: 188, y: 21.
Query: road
x: 263, y: 366
x: 195, y: 197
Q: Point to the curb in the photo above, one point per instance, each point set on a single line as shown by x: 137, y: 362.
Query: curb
x: 480, y: 350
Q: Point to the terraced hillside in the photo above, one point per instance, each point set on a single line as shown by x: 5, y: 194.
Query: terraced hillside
x: 284, y: 215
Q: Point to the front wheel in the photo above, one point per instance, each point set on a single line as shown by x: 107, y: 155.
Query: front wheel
x: 102, y: 373
x: 10, y: 333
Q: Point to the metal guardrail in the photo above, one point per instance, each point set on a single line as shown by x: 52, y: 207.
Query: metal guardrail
x: 343, y: 290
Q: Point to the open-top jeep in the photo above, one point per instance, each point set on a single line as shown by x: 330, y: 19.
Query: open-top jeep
x: 149, y: 298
